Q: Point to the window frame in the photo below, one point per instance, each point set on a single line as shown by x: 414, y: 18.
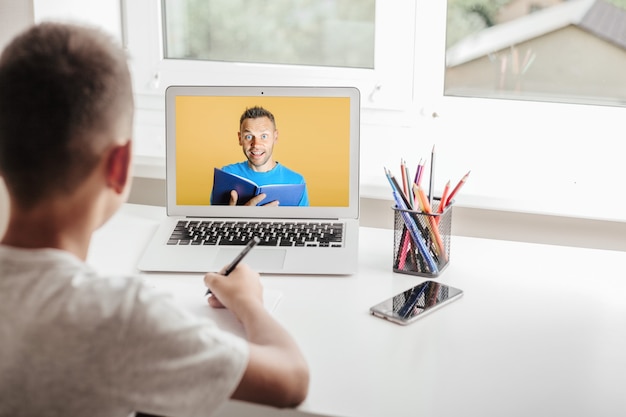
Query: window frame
x: 389, y: 86
x: 535, y: 157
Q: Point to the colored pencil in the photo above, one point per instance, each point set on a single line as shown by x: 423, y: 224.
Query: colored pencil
x: 431, y: 188
x: 444, y: 197
x: 457, y: 188
x: 434, y: 224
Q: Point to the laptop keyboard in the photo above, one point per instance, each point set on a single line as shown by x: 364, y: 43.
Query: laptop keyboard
x: 303, y: 234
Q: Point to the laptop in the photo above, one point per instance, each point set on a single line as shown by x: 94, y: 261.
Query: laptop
x: 318, y: 138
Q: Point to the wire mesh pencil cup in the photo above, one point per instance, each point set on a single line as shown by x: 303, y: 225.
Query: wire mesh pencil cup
x: 422, y: 240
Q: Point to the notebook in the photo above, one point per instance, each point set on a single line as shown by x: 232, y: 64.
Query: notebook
x: 318, y: 140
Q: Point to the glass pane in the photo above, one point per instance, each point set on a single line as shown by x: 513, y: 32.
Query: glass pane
x: 336, y: 33
x: 548, y: 50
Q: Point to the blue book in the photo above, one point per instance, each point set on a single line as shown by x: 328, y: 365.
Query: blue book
x: 224, y: 182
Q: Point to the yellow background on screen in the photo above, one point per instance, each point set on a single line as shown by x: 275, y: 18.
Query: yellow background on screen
x: 313, y: 140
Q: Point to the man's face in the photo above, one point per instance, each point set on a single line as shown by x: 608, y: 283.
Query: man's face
x: 257, y: 138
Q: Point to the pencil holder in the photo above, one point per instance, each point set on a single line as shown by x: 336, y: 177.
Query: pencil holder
x: 422, y: 241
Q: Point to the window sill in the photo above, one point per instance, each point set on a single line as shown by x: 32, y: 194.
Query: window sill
x: 568, y: 204
x: 150, y: 167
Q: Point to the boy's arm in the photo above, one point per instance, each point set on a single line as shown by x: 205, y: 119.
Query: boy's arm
x: 277, y: 373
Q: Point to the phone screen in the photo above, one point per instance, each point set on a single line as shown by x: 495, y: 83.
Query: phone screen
x: 415, y: 302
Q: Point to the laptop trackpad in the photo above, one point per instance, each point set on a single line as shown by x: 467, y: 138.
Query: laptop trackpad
x: 261, y: 260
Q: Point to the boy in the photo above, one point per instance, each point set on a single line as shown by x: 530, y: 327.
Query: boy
x: 73, y: 342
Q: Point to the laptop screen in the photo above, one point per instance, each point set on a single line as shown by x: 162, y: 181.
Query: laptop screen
x: 273, y: 135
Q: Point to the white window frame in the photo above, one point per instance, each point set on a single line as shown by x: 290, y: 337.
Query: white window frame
x: 535, y: 157
x: 384, y: 87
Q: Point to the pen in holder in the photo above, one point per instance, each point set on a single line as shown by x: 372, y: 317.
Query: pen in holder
x: 422, y: 240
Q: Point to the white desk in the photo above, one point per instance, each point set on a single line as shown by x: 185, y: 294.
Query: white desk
x: 540, y: 331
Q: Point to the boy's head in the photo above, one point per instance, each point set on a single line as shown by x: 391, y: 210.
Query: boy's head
x: 65, y: 98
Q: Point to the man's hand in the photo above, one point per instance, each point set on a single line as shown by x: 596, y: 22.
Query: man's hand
x: 253, y: 201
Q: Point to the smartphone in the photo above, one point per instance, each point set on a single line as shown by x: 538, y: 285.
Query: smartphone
x: 416, y: 302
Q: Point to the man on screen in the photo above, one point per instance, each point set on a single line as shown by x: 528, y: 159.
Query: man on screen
x: 257, y: 137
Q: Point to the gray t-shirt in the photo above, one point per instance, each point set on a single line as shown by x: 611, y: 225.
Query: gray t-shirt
x: 73, y: 343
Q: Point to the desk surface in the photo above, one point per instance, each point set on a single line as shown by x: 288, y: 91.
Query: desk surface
x: 540, y: 330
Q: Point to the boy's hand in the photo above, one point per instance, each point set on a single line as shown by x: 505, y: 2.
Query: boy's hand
x: 237, y: 291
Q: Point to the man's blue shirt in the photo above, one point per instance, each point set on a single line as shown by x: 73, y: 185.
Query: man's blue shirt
x: 278, y: 175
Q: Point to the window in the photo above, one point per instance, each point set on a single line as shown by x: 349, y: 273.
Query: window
x: 385, y: 79
x: 545, y: 50
x: 383, y: 73
x: 294, y: 32
x: 533, y: 153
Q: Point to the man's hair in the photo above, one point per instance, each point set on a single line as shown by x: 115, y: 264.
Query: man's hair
x: 65, y: 90
x: 256, y: 112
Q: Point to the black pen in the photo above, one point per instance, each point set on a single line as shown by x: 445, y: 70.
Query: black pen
x: 252, y: 243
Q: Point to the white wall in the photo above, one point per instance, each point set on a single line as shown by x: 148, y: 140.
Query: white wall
x: 15, y: 15
x: 103, y: 13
